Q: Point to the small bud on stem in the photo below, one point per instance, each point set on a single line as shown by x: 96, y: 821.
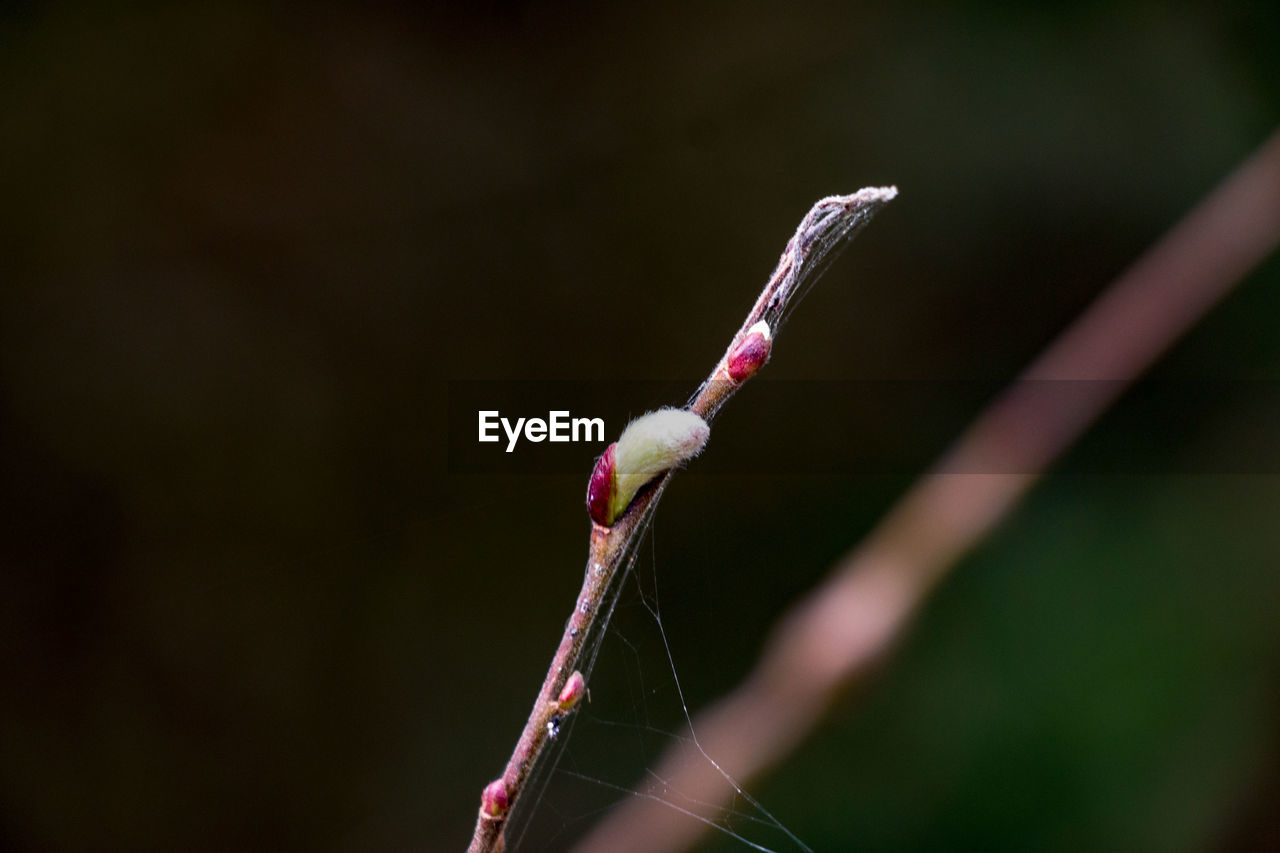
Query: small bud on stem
x: 494, y: 801
x: 750, y: 353
x: 601, y: 487
x: 571, y: 695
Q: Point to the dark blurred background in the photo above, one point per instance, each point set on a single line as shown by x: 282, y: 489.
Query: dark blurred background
x: 246, y: 604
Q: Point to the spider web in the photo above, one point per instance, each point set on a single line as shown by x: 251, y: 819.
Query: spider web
x: 636, y: 709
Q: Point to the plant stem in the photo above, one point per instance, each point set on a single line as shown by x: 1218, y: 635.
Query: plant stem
x: 827, y: 226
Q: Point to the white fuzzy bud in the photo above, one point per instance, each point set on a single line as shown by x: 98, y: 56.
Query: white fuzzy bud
x: 652, y: 444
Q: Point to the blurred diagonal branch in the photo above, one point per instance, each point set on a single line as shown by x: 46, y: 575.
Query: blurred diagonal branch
x: 829, y: 640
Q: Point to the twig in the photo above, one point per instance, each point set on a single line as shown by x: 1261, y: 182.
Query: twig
x: 826, y: 227
x: 834, y: 636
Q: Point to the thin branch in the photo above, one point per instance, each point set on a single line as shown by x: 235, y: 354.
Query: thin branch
x: 827, y: 226
x: 835, y: 635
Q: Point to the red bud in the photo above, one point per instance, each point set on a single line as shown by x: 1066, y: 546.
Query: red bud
x: 750, y: 353
x: 494, y: 801
x: 572, y: 692
x: 601, y: 487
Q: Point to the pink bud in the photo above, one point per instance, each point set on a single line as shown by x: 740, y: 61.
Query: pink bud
x: 572, y: 692
x: 494, y: 800
x: 750, y: 353
x: 601, y: 487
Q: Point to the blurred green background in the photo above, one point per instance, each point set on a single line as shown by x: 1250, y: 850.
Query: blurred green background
x: 245, y: 605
